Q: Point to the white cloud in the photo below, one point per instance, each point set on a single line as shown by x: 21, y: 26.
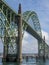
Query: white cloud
x: 29, y: 44
x: 26, y: 35
x: 44, y: 33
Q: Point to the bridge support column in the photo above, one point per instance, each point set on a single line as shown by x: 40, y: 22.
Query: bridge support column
x: 19, y: 44
x: 4, y: 55
x: 44, y: 58
x: 40, y: 49
x: 5, y: 50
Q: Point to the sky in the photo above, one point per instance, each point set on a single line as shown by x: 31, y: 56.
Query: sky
x: 41, y: 7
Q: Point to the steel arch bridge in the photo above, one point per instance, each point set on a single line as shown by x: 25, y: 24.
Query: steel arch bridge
x: 12, y: 30
x: 35, y: 21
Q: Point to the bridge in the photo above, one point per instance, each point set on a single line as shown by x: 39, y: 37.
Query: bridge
x: 12, y: 27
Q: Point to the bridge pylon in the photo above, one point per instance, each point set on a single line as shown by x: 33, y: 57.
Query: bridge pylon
x: 19, y: 51
x: 41, y: 49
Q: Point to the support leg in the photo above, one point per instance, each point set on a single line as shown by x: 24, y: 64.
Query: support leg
x: 19, y: 52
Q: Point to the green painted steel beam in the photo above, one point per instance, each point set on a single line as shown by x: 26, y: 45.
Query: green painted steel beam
x: 29, y: 28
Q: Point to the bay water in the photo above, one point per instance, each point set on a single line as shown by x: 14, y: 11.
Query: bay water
x: 32, y: 61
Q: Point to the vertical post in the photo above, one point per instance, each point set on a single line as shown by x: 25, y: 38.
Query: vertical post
x: 4, y: 50
x: 40, y: 49
x: 19, y: 35
x: 4, y: 57
x: 44, y: 45
x: 44, y: 49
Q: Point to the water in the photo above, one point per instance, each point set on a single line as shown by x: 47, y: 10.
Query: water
x: 32, y: 61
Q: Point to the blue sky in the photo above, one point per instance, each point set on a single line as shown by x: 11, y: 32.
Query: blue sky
x: 41, y: 7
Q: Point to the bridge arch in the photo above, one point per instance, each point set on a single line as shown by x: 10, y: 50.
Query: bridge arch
x: 35, y: 21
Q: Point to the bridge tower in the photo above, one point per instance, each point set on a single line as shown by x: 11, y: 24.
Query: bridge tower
x: 19, y: 19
